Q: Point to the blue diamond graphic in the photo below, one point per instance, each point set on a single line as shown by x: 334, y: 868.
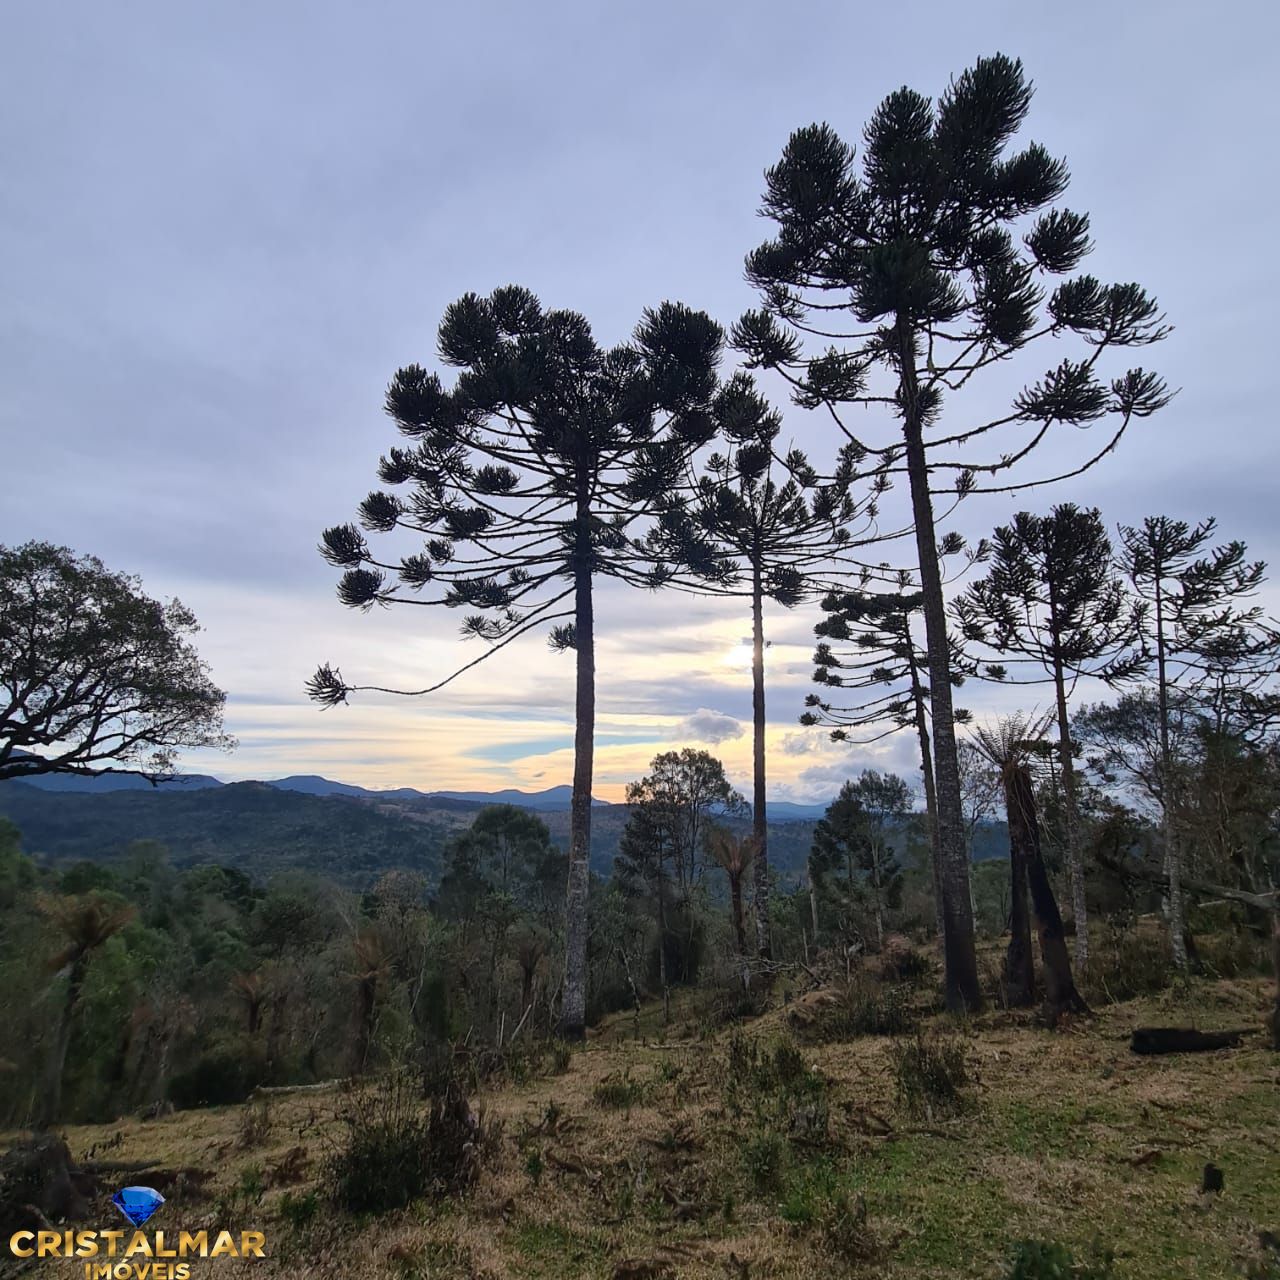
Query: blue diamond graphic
x: 137, y: 1203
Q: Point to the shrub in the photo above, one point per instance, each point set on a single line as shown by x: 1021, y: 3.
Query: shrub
x: 931, y: 1075
x: 561, y: 1056
x: 219, y: 1078
x: 1129, y: 962
x: 255, y: 1124
x: 773, y: 1084
x: 817, y: 1200
x: 299, y: 1211
x: 863, y: 1009
x: 396, y: 1150
x: 765, y: 1158
x: 1234, y: 953
x: 1038, y: 1260
x: 619, y: 1093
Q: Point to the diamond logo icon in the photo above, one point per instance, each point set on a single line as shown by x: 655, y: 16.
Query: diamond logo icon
x: 137, y: 1203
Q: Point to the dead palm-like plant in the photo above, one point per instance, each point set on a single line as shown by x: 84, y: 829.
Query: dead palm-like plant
x: 85, y: 922
x: 734, y: 856
x: 250, y: 989
x: 371, y: 965
x: 1011, y: 744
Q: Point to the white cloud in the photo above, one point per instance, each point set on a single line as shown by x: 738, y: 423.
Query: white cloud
x: 706, y: 725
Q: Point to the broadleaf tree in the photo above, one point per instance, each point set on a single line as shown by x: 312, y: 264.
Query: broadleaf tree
x: 96, y: 676
x: 916, y: 274
x: 526, y: 479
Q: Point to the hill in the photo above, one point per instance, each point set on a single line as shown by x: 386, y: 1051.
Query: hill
x: 258, y: 828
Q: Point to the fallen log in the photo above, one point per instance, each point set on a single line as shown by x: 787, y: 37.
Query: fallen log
x: 1157, y: 1040
x: 275, y: 1090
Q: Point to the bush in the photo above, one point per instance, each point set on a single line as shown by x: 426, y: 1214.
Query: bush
x: 255, y: 1124
x: 299, y: 1211
x: 765, y: 1158
x: 619, y: 1093
x: 1037, y: 1260
x: 931, y: 1075
x: 222, y: 1077
x: 1128, y: 962
x: 396, y: 1150
x: 816, y: 1200
x: 863, y: 1009
x: 1234, y: 953
x: 774, y: 1085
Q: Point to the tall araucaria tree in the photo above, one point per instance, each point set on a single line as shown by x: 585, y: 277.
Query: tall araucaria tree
x: 1053, y: 601
x: 758, y: 523
x: 527, y: 479
x: 1200, y: 632
x: 910, y: 275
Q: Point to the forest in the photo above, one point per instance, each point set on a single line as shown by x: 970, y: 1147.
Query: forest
x: 678, y: 1036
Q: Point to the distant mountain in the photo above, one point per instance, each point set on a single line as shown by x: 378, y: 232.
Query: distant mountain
x: 786, y: 811
x: 261, y: 829
x: 107, y: 782
x: 551, y: 800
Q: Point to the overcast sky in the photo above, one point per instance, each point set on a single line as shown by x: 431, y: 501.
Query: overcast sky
x: 224, y: 226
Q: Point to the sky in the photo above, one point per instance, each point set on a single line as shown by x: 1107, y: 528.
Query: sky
x: 224, y: 227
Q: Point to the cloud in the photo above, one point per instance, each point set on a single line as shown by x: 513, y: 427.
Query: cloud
x: 705, y: 725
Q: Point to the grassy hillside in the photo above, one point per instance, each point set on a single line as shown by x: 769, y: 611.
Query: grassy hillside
x: 653, y: 1159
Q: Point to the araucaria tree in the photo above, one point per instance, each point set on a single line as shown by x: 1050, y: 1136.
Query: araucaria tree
x: 910, y: 275
x: 1052, y: 601
x: 526, y: 479
x: 95, y: 676
x: 867, y: 648
x: 1206, y: 642
x: 762, y: 524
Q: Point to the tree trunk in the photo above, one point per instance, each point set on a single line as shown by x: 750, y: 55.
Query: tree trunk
x: 1275, y: 961
x: 573, y: 1009
x: 813, y: 906
x: 1174, y: 908
x: 1061, y: 995
x: 962, y: 988
x: 662, y: 948
x: 739, y: 926
x: 1075, y: 869
x: 759, y: 816
x: 1019, y: 966
x: 930, y: 792
x: 875, y: 885
x: 51, y: 1104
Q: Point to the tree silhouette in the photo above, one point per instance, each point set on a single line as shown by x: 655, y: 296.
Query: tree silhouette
x: 1011, y: 746
x: 910, y: 276
x: 672, y: 809
x: 526, y: 479
x: 853, y: 836
x: 84, y: 922
x: 887, y: 673
x: 761, y: 524
x: 95, y: 676
x: 1204, y: 640
x: 1052, y: 600
x: 734, y: 856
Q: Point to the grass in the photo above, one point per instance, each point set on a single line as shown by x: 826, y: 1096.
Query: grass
x: 1057, y: 1147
